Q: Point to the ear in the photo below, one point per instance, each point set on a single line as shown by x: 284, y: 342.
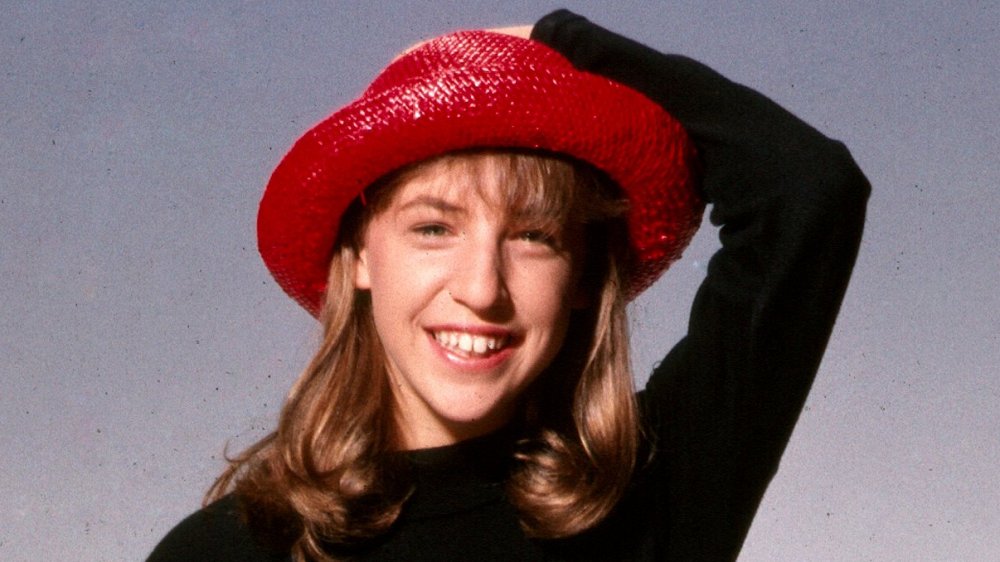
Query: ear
x: 362, y: 277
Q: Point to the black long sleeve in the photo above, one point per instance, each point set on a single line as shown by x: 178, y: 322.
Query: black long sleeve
x: 790, y: 203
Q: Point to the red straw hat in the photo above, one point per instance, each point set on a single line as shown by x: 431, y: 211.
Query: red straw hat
x: 478, y: 89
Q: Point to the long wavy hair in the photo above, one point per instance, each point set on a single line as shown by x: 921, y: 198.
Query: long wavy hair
x: 326, y: 475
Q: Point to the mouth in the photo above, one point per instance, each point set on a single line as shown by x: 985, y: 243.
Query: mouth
x: 470, y: 345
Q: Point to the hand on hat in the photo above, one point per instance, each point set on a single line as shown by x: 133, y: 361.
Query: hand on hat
x: 522, y: 31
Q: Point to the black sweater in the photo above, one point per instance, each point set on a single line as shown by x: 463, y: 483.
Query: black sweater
x: 723, y: 402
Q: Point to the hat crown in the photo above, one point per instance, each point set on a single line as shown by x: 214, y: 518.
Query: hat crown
x: 464, y: 51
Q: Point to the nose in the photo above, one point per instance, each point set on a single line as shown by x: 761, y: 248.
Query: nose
x: 479, y: 280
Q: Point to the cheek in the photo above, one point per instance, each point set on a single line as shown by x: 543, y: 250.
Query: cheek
x: 547, y: 294
x: 402, y: 282
x: 380, y: 261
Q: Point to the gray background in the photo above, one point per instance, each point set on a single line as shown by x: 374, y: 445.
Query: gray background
x: 139, y: 332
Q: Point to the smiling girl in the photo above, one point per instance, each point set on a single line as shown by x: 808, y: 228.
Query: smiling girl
x: 469, y: 232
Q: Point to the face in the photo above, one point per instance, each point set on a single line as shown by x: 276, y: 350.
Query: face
x: 470, y: 303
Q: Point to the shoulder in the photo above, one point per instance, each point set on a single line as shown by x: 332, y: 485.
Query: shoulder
x: 217, y: 532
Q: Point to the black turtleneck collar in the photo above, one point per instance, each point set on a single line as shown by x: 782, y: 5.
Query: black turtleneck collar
x: 454, y: 478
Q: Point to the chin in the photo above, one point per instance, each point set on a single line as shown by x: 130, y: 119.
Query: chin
x: 473, y: 420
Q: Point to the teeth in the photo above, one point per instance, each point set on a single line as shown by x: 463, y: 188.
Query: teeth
x: 469, y: 344
x: 479, y: 345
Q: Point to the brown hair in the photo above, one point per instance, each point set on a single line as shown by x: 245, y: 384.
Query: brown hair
x: 326, y: 475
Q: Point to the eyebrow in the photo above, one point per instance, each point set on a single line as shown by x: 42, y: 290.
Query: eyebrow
x: 430, y: 201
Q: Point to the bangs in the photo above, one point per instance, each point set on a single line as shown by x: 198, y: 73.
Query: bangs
x: 546, y: 190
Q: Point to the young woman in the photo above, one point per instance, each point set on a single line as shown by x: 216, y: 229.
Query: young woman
x: 469, y: 232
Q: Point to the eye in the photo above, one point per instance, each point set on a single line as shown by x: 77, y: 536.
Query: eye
x: 431, y: 230
x: 538, y: 236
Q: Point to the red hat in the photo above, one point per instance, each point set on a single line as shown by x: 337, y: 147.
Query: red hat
x: 479, y: 89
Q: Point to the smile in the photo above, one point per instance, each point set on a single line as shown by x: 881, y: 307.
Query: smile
x: 470, y: 345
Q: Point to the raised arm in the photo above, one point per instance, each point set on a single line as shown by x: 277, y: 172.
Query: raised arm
x: 791, y: 203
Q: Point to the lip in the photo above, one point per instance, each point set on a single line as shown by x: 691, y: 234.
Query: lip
x: 473, y: 364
